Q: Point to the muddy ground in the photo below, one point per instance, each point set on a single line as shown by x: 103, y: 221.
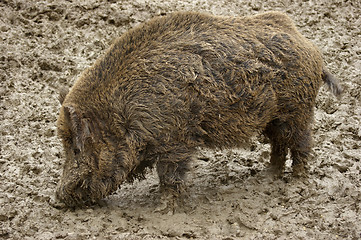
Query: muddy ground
x: 46, y: 44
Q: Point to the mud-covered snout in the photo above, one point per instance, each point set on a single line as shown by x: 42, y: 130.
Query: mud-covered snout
x: 73, y: 192
x: 77, y: 190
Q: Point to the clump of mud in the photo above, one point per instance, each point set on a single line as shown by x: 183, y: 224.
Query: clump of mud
x: 45, y: 45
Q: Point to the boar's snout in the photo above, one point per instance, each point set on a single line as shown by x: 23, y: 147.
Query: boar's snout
x: 72, y: 193
x: 77, y: 190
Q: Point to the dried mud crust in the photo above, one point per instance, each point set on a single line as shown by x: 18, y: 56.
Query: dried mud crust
x: 45, y: 45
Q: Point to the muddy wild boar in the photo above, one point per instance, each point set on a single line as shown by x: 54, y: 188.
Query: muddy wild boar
x: 184, y: 81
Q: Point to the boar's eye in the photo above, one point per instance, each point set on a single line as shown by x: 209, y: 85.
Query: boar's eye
x: 76, y: 151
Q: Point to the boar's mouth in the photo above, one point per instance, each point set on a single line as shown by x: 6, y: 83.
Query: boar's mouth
x: 73, y: 194
x: 84, y: 192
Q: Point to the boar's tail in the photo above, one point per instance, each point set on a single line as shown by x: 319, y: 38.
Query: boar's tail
x: 332, y: 82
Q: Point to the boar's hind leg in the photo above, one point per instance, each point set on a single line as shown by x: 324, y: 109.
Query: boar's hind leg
x: 278, y: 132
x: 300, y: 149
x: 295, y: 136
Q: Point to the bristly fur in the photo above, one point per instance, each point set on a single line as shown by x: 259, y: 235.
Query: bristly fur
x: 183, y: 81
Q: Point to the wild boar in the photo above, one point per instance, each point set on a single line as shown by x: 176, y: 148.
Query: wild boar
x: 186, y: 81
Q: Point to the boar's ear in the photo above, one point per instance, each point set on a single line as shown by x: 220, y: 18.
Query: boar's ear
x: 62, y: 94
x: 79, y: 127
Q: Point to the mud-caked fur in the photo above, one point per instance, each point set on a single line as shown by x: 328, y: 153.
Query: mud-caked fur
x: 183, y: 81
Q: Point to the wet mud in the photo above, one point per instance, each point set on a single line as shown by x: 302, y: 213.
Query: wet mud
x: 45, y: 45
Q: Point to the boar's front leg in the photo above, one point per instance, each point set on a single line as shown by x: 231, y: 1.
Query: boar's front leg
x: 171, y: 169
x: 171, y: 175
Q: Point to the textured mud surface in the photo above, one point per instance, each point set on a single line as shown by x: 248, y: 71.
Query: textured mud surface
x: 46, y: 44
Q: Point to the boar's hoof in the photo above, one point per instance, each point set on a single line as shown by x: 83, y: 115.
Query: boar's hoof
x: 172, y: 201
x: 55, y: 203
x: 299, y: 170
x: 276, y: 169
x: 168, y: 204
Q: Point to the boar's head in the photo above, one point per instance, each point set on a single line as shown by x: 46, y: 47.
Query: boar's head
x: 97, y: 159
x: 90, y: 172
